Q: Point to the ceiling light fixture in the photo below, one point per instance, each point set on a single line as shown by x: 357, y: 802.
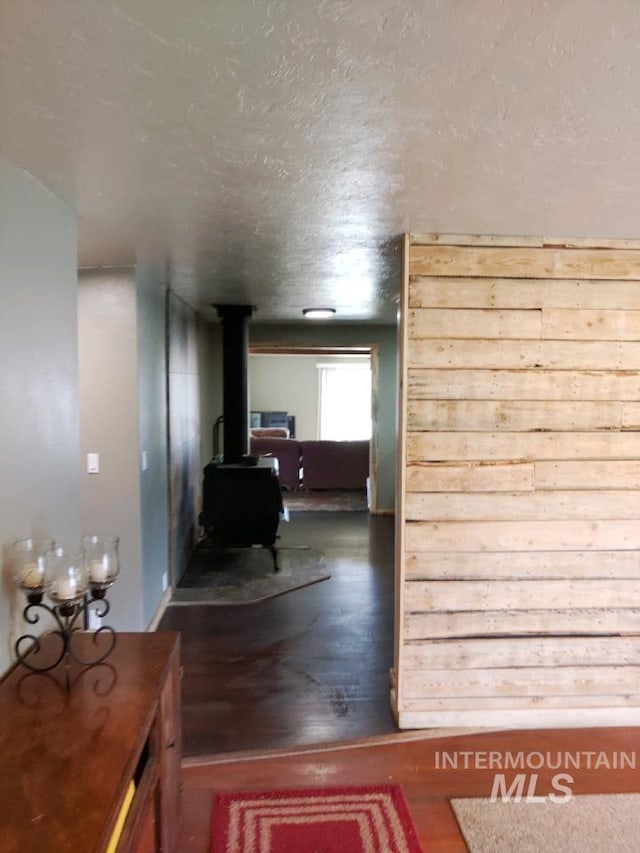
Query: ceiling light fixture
x: 318, y: 313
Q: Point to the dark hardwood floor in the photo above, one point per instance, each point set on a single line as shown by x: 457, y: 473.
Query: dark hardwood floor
x: 274, y: 693
x: 307, y: 667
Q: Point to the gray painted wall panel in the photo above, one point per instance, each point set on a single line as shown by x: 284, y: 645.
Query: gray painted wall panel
x: 39, y: 433
x: 107, y: 338
x: 152, y: 411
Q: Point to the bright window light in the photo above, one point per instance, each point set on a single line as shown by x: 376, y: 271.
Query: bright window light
x: 345, y: 402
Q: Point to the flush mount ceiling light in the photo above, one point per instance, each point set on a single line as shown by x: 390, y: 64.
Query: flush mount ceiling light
x: 318, y: 313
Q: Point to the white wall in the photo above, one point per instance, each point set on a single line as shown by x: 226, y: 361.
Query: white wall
x: 289, y: 383
x: 39, y: 435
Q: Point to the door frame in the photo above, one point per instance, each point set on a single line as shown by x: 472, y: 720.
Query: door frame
x: 372, y: 350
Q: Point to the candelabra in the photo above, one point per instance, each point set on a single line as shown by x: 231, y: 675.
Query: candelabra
x: 74, y: 583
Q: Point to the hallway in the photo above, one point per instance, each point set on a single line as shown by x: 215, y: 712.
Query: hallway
x: 307, y: 667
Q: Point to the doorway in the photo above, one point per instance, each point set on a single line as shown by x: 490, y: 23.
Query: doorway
x: 287, y: 380
x: 313, y: 665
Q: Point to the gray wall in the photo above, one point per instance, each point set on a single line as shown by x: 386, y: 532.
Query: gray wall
x: 152, y: 432
x: 107, y: 347
x: 194, y: 381
x: 123, y: 410
x: 39, y: 435
x: 210, y: 383
x: 339, y: 334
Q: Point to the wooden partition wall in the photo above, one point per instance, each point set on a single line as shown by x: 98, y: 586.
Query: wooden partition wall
x: 518, y: 524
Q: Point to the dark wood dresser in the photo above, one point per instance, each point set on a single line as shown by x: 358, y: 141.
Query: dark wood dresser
x: 90, y: 757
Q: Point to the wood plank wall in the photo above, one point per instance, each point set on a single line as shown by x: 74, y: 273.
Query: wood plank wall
x: 518, y: 528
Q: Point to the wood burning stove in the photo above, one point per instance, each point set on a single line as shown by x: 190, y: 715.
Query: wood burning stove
x: 241, y: 497
x: 241, y: 505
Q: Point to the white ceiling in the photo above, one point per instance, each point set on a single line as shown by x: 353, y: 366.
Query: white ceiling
x: 272, y: 152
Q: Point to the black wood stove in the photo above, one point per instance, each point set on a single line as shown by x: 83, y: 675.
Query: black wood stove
x: 241, y: 497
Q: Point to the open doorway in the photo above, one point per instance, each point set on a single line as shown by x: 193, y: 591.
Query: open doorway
x: 311, y: 665
x: 325, y: 398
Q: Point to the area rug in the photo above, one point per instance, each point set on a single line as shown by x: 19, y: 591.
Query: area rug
x: 326, y: 500
x: 593, y: 823
x: 315, y: 820
x: 246, y: 575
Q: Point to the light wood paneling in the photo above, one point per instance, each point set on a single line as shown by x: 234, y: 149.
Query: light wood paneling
x: 486, y: 384
x: 523, y: 681
x: 535, y: 622
x: 470, y: 477
x: 522, y: 535
x: 506, y: 354
x: 564, y: 323
x: 588, y: 704
x: 474, y: 323
x: 519, y: 415
x: 602, y: 711
x: 630, y: 418
x: 520, y: 504
x: 516, y: 446
x: 524, y: 506
x: 616, y: 473
x: 433, y: 238
x: 574, y: 594
x: 462, y: 565
x: 522, y: 651
x: 474, y: 240
x: 525, y: 262
x: 521, y: 294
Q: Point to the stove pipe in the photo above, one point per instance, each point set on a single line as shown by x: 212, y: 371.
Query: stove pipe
x: 235, y: 370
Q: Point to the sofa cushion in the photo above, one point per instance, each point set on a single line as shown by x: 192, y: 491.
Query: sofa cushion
x: 335, y: 464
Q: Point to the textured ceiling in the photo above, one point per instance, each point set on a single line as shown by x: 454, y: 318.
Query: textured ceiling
x: 272, y: 152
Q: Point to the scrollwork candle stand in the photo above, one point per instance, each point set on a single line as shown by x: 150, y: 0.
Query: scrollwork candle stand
x: 66, y: 615
x: 74, y: 583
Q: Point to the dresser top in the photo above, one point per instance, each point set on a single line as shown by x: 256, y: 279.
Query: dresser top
x: 70, y: 740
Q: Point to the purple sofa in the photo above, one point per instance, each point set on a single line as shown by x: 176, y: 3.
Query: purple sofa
x: 287, y: 452
x: 335, y: 464
x: 316, y: 464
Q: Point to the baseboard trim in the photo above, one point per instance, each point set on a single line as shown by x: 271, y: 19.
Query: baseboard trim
x: 159, y: 613
x: 390, y: 739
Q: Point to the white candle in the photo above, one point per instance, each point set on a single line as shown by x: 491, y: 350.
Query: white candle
x: 31, y: 575
x: 66, y: 588
x: 99, y: 571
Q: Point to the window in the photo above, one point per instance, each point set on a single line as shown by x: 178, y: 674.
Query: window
x: 345, y: 401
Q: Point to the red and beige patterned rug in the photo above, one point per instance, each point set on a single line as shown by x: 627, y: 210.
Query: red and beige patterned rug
x: 372, y: 819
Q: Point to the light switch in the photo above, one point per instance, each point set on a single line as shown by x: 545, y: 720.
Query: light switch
x: 145, y: 460
x: 93, y: 463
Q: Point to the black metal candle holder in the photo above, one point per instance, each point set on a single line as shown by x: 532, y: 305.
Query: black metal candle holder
x: 66, y: 614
